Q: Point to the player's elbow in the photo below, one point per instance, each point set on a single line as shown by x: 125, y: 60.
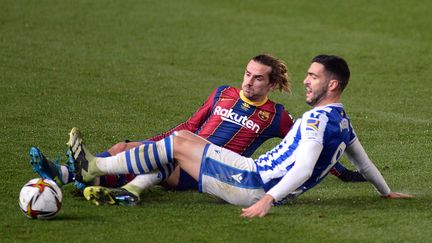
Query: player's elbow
x: 307, y: 174
x: 302, y: 174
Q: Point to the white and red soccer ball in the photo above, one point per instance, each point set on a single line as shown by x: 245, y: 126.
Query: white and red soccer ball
x: 40, y: 199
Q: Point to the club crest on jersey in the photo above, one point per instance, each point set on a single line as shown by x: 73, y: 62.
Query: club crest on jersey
x: 264, y: 115
x: 312, y: 124
x: 245, y: 106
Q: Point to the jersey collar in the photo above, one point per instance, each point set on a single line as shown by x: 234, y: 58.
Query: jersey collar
x: 331, y: 104
x: 250, y: 102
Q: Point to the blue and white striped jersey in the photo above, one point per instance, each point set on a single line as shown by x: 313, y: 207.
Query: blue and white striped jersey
x: 327, y: 125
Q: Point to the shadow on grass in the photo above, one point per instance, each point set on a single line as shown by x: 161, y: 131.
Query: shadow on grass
x: 77, y: 217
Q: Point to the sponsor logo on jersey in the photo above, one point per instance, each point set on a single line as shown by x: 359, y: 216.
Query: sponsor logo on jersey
x: 263, y: 115
x: 232, y: 117
x: 344, y: 124
x: 245, y: 106
x: 312, y: 124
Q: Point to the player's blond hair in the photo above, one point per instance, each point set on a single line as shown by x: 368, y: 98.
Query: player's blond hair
x: 279, y: 73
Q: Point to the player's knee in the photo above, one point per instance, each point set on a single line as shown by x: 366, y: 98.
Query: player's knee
x: 180, y: 146
x: 117, y: 148
x: 184, y: 133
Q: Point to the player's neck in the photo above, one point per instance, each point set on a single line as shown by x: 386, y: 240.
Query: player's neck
x: 251, y: 102
x: 327, y: 101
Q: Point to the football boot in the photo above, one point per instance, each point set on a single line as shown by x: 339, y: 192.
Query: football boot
x: 84, y: 162
x: 71, y: 168
x: 45, y: 168
x: 110, y: 196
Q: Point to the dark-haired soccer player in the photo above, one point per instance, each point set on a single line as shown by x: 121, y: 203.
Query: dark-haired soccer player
x: 303, y: 158
x: 237, y: 119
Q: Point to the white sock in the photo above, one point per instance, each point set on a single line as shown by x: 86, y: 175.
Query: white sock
x: 145, y: 158
x: 142, y: 182
x: 113, y: 165
x: 64, y: 174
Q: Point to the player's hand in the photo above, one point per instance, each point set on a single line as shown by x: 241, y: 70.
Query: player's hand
x: 395, y: 195
x: 259, y: 209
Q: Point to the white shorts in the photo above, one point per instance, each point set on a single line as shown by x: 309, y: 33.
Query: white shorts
x: 229, y: 176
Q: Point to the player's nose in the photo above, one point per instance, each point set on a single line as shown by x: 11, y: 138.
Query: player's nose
x: 250, y: 81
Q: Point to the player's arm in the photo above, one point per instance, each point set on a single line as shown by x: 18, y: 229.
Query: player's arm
x: 358, y: 156
x: 194, y: 122
x: 306, y: 158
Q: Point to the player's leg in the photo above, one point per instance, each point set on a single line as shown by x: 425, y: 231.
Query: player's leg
x: 117, y: 180
x: 173, y: 180
x: 64, y: 173
x: 49, y: 169
x: 230, y: 176
x: 215, y: 168
x: 188, y: 152
x: 181, y: 145
x: 183, y: 141
x: 180, y: 180
x: 122, y: 146
x: 129, y: 194
x: 143, y: 159
x: 45, y: 168
x: 142, y: 182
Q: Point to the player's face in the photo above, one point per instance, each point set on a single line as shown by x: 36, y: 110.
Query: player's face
x: 316, y: 83
x: 256, y: 84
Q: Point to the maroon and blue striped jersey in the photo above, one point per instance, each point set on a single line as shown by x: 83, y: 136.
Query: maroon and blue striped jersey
x: 230, y: 120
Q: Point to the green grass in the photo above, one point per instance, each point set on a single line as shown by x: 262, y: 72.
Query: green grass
x: 131, y: 69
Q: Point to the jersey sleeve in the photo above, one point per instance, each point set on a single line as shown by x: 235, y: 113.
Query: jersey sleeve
x: 286, y: 122
x: 358, y: 156
x: 353, y: 135
x: 307, y: 156
x: 195, y: 121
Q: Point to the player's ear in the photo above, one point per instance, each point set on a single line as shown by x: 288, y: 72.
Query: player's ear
x: 333, y: 84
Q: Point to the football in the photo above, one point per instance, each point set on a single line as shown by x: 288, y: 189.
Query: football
x: 40, y: 199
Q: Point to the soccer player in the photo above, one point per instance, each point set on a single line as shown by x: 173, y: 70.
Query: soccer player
x: 239, y: 120
x: 302, y: 159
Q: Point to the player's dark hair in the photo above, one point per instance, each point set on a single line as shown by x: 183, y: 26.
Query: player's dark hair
x: 336, y: 67
x: 279, y: 73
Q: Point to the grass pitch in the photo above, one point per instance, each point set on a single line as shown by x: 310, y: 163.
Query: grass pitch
x: 132, y: 69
